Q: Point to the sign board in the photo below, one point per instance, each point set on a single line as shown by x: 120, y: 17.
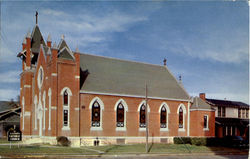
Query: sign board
x: 14, y: 135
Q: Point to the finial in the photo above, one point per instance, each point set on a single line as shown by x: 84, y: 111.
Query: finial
x: 165, y: 61
x: 36, y: 17
x: 54, y: 46
x: 24, y: 40
x: 77, y: 49
x: 62, y: 37
x: 180, y: 78
x: 49, y: 51
x: 28, y: 34
x: 49, y: 38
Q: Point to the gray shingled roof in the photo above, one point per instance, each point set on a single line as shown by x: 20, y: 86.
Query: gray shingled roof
x: 36, y: 39
x: 7, y: 105
x: 227, y: 103
x: 198, y: 103
x: 114, y: 76
x: 66, y: 54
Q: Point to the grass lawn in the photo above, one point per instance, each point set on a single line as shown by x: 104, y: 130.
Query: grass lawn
x: 111, y: 149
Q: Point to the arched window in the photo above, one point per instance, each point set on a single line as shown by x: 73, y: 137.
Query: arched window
x: 66, y: 94
x: 65, y: 111
x: 96, y: 116
x: 180, y: 118
x: 143, y: 116
x: 163, y: 117
x: 120, y: 115
x: 65, y: 98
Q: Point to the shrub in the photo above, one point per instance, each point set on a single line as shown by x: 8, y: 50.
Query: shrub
x: 63, y: 141
x: 214, y: 141
x: 199, y: 141
x: 182, y: 140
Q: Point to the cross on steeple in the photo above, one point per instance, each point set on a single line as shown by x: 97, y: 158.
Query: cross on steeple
x: 36, y: 16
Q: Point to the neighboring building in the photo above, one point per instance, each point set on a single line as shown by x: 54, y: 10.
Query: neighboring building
x: 231, y: 117
x: 9, y: 116
x: 202, y: 118
x: 82, y: 96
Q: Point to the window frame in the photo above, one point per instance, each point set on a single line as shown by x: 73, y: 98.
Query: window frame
x: 184, y: 112
x: 123, y: 102
x: 120, y: 119
x: 164, y: 104
x: 148, y: 111
x: 96, y: 123
x: 206, y: 122
x: 66, y: 107
x: 101, y: 104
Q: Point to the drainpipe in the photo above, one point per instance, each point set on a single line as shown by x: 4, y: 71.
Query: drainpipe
x: 188, y: 126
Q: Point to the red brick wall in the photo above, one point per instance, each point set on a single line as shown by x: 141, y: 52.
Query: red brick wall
x: 197, y: 123
x: 109, y: 117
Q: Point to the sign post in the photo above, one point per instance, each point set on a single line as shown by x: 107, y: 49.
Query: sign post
x: 14, y: 135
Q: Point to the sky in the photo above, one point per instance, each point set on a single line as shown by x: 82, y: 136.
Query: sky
x: 206, y: 42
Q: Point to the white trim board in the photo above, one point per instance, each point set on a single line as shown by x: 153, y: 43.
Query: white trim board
x: 135, y: 96
x: 202, y: 110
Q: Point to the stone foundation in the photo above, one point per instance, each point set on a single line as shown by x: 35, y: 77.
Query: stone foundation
x: 91, y: 141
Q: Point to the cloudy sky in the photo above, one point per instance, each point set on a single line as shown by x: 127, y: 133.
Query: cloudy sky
x: 204, y: 42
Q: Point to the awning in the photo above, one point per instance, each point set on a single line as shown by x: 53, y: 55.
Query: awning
x: 232, y: 122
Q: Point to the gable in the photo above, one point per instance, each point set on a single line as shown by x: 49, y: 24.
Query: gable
x: 198, y: 103
x: 65, y: 53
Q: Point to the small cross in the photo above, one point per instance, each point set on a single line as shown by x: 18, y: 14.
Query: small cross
x: 36, y: 16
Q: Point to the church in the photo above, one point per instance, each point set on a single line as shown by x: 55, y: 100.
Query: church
x: 88, y: 97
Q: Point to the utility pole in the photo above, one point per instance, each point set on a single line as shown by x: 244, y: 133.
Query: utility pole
x: 146, y: 112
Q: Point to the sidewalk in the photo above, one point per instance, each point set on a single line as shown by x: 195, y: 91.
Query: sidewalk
x: 127, y: 155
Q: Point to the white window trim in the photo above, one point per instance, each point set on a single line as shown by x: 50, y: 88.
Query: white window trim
x: 101, y: 112
x: 148, y: 111
x: 66, y: 107
x: 23, y: 112
x: 49, y: 94
x: 40, y: 82
x: 207, y: 128
x: 35, y: 112
x: 168, y: 112
x: 184, y: 115
x: 125, y: 114
x: 44, y: 109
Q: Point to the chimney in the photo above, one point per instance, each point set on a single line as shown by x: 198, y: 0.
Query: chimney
x: 203, y: 96
x: 165, y: 61
x: 49, y: 41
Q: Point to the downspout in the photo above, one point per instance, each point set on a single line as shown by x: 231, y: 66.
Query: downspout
x: 188, y: 128
x: 79, y: 116
x: 57, y: 99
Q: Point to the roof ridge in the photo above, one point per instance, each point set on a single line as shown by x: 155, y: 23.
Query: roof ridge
x: 225, y: 100
x: 122, y: 59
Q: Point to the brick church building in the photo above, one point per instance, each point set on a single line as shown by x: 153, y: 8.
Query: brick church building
x: 85, y: 97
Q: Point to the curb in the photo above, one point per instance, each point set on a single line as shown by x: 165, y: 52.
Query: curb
x: 121, y: 155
